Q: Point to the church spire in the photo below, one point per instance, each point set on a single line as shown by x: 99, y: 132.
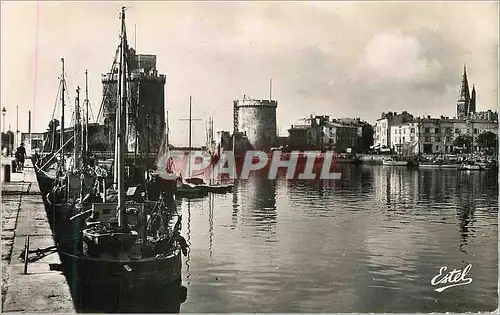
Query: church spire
x: 463, y: 102
x: 472, y: 106
x: 464, y: 91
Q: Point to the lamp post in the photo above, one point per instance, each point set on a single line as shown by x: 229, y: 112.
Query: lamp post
x: 4, y: 111
x: 17, y: 139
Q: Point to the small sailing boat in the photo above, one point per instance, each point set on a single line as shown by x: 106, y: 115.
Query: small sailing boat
x: 197, y: 186
x: 125, y: 256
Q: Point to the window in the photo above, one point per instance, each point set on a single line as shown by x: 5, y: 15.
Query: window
x: 403, y: 139
x: 475, y: 130
x: 412, y: 130
x: 427, y: 139
x: 457, y: 130
x: 437, y: 147
x: 412, y: 138
x: 427, y: 130
x: 436, y: 130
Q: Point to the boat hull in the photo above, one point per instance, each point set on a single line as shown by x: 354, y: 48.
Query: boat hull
x: 395, y: 163
x: 471, y: 168
x: 113, y: 285
x: 434, y: 166
x: 45, y: 181
x: 109, y: 286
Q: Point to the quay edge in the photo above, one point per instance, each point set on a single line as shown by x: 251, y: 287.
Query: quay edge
x: 41, y: 289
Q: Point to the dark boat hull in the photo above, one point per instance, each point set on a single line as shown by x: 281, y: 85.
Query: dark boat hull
x: 150, y: 285
x: 45, y: 181
x: 109, y: 286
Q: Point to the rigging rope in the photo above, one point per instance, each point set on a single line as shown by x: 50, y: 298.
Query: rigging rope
x: 106, y: 87
x: 57, y: 98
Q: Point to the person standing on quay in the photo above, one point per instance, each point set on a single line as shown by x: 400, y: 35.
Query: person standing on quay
x: 20, y: 157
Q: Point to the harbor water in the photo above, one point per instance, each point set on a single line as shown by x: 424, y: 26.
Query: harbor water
x: 370, y: 242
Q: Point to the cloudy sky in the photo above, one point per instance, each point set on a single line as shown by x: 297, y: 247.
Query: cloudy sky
x: 345, y: 59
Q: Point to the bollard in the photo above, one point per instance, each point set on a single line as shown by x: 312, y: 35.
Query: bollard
x: 6, y: 173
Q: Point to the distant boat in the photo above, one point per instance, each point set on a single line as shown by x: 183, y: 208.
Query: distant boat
x: 439, y: 164
x: 394, y: 162
x: 470, y: 166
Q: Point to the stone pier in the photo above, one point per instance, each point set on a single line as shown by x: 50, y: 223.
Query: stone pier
x: 40, y: 290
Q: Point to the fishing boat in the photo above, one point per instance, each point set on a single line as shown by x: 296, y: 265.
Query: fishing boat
x: 122, y: 256
x: 394, y: 162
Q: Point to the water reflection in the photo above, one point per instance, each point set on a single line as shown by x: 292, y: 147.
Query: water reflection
x: 254, y: 205
x: 188, y: 240
x: 363, y: 243
x: 211, y: 222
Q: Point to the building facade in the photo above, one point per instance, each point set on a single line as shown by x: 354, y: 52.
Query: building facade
x: 404, y: 134
x: 405, y: 138
x: 323, y: 133
x: 439, y: 134
x: 382, y: 131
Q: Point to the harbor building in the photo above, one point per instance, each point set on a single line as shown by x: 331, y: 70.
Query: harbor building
x: 256, y: 120
x: 429, y: 135
x: 383, y: 127
x: 405, y: 138
x: 439, y: 134
x: 321, y: 132
x: 146, y: 105
x: 404, y: 134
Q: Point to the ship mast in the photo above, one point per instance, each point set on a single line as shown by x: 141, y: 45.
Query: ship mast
x: 76, y: 130
x: 121, y: 131
x: 85, y: 139
x: 62, y: 115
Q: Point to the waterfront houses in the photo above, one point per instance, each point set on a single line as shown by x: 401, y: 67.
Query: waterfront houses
x: 340, y: 135
x: 382, y: 135
x: 405, y: 134
x: 429, y: 135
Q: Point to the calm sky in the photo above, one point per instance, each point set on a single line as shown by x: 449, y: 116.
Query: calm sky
x: 345, y: 59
